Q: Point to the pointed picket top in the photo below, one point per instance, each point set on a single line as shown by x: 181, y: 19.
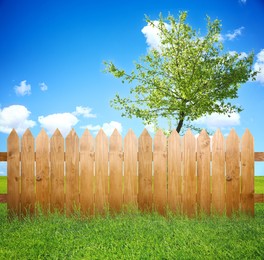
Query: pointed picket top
x: 247, y: 136
x: 71, y: 134
x: 203, y: 139
x: 189, y: 134
x: 218, y: 134
x: 115, y: 141
x: 86, y: 141
x: 13, y: 135
x: 130, y: 135
x: 174, y: 134
x: 42, y: 135
x: 101, y: 134
x: 57, y: 133
x: 115, y: 133
x: 27, y: 134
x: 232, y: 136
x: 86, y: 133
x: 145, y: 133
x: 217, y: 140
x: 160, y: 141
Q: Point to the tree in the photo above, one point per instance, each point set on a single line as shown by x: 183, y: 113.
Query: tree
x: 187, y: 77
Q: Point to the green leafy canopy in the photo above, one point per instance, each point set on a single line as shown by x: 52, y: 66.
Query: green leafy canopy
x: 187, y: 77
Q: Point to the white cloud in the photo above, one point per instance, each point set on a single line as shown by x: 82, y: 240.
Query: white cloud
x: 243, y: 1
x: 216, y: 120
x: 84, y: 111
x: 237, y: 32
x: 23, y: 89
x: 43, y: 86
x: 152, y: 34
x: 242, y: 55
x: 259, y: 66
x: 63, y: 121
x: 108, y: 128
x: 15, y: 116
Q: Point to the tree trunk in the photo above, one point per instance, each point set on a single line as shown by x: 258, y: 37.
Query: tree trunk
x: 180, y: 124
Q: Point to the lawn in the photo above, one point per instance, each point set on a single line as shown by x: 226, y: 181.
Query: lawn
x: 133, y: 235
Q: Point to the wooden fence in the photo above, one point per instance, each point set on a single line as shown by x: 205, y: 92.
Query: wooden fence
x: 184, y: 174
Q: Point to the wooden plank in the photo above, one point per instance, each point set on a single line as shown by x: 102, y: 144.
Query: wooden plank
x: 13, y: 174
x: 218, y: 173
x: 57, y: 172
x: 87, y: 173
x: 101, y: 172
x: 72, y: 172
x: 42, y: 171
x: 3, y: 156
x: 174, y: 173
x: 28, y: 195
x: 247, y: 173
x: 160, y: 172
x: 4, y: 199
x: 232, y: 173
x: 116, y: 172
x: 259, y: 156
x: 145, y: 171
x: 259, y: 198
x: 203, y: 173
x: 189, y: 175
x: 130, y: 169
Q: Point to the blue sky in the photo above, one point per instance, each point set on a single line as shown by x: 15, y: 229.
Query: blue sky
x: 52, y: 53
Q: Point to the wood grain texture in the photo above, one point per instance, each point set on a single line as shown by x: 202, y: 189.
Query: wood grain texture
x: 57, y: 172
x: 87, y: 173
x: 72, y: 172
x: 145, y: 171
x: 130, y: 169
x: 116, y: 172
x: 189, y: 174
x: 203, y: 173
x: 42, y: 171
x: 160, y: 172
x: 101, y: 172
x: 13, y: 174
x: 28, y: 195
x: 174, y: 173
x: 232, y: 173
x: 218, y: 173
x: 247, y: 173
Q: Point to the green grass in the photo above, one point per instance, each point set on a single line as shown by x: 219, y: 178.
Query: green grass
x: 3, y: 184
x: 133, y: 235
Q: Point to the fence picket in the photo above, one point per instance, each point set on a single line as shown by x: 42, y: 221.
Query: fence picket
x: 160, y: 172
x: 203, y: 173
x: 174, y: 172
x: 189, y: 174
x: 101, y: 172
x: 130, y: 168
x: 72, y: 172
x: 232, y: 173
x: 218, y: 173
x: 42, y: 171
x: 57, y: 172
x: 87, y: 173
x: 145, y: 171
x: 247, y: 173
x: 27, y: 174
x: 116, y: 172
x: 13, y: 174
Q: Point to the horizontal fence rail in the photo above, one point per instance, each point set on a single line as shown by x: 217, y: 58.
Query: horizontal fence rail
x: 186, y: 175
